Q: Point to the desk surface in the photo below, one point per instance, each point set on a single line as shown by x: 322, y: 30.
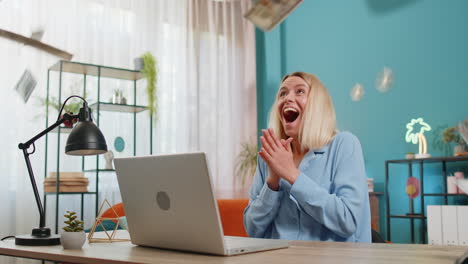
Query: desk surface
x: 299, y: 252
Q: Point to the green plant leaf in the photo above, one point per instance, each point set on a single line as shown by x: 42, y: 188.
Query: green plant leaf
x: 151, y: 73
x: 73, y: 225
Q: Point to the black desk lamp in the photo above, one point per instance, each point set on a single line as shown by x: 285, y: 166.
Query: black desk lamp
x: 84, y: 139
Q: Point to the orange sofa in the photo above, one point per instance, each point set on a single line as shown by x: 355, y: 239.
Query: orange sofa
x: 231, y: 212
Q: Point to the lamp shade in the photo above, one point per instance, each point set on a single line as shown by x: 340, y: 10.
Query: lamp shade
x: 85, y: 139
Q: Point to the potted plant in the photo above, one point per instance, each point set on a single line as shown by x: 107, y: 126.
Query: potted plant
x: 451, y: 134
x: 438, y: 142
x: 73, y: 236
x: 71, y: 107
x: 150, y: 71
x: 246, y: 162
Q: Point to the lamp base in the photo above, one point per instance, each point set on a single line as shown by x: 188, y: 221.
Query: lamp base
x: 422, y: 155
x: 28, y: 240
x: 40, y: 237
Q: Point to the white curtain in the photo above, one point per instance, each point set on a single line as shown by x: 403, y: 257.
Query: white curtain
x: 207, y: 99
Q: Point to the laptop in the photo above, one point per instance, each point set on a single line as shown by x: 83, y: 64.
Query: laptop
x: 169, y: 203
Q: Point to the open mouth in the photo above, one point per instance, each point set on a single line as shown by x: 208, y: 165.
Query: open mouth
x: 290, y: 114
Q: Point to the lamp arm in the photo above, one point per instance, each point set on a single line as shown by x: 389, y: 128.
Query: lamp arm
x: 24, y: 147
x: 66, y: 117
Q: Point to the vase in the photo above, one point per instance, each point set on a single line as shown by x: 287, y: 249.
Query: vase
x: 72, y: 240
x: 459, y: 149
x: 138, y: 64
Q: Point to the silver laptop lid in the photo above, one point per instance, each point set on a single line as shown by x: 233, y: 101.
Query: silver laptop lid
x: 169, y: 202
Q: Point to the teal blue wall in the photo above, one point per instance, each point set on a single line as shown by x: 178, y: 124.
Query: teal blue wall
x: 344, y: 42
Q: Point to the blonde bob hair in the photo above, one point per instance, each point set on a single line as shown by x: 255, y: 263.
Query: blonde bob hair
x: 318, y: 125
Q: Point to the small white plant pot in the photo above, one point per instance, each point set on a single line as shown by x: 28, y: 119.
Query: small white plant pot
x: 72, y: 240
x: 139, y: 64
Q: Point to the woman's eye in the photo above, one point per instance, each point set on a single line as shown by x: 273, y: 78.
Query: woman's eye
x: 282, y: 94
x: 300, y: 91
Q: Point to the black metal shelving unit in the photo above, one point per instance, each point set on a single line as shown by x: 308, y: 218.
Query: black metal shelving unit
x: 412, y: 215
x: 99, y: 71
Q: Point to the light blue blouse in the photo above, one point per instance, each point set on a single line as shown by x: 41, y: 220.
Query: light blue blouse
x: 328, y: 201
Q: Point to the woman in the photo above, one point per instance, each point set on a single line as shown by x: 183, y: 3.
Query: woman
x: 310, y: 182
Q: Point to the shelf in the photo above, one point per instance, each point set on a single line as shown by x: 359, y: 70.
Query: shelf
x: 54, y: 193
x: 92, y: 69
x: 419, y: 163
x: 430, y: 160
x: 100, y: 77
x: 63, y: 130
x: 100, y: 170
x: 444, y: 194
x: 110, y: 107
x: 417, y: 216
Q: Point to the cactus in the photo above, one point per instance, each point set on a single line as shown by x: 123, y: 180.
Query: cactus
x: 73, y: 225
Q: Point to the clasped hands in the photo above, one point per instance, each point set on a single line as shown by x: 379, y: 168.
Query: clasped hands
x: 279, y: 157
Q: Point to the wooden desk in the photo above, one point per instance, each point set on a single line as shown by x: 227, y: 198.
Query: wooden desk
x: 299, y: 252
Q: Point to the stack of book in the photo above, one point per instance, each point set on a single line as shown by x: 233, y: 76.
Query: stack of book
x: 69, y: 182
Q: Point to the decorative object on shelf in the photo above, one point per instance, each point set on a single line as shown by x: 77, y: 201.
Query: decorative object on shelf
x: 357, y: 92
x: 119, y: 144
x: 409, y: 155
x: 99, y: 219
x: 412, y: 187
x: 109, y: 157
x: 384, y: 80
x: 246, y: 162
x: 266, y: 14
x: 462, y: 185
x: 138, y: 64
x: 453, y: 134
x: 415, y: 137
x: 150, y: 71
x: 451, y: 185
x: 73, y: 236
x: 25, y: 85
x: 85, y: 139
x: 69, y: 182
x: 459, y: 177
x: 118, y: 98
x: 438, y: 142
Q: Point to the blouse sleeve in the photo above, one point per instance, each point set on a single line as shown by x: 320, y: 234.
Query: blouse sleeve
x: 263, y: 205
x: 342, y: 209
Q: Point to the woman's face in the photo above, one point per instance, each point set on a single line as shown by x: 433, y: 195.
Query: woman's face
x: 292, y: 99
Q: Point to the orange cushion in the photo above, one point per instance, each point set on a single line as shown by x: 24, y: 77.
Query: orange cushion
x: 118, y: 208
x: 232, y: 216
x: 231, y: 212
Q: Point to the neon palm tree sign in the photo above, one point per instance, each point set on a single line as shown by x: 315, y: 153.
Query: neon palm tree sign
x: 417, y: 136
